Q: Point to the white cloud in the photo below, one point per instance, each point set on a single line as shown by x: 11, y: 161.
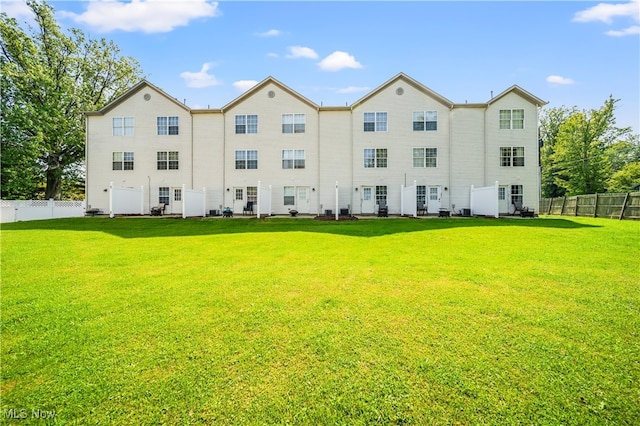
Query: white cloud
x: 621, y: 33
x: 149, y: 16
x: 16, y: 9
x: 301, y: 52
x: 556, y: 79
x: 201, y: 78
x: 244, y: 85
x: 273, y: 55
x: 353, y: 89
x: 605, y: 12
x: 338, y: 60
x: 270, y: 33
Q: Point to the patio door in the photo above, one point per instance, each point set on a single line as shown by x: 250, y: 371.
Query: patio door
x: 435, y: 194
x: 367, y: 200
x: 238, y: 200
x: 503, y: 200
x: 303, y: 199
x: 176, y: 200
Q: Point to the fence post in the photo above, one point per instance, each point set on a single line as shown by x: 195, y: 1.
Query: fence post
x: 595, y: 208
x: 141, y: 200
x: 624, y: 206
x: 111, y: 200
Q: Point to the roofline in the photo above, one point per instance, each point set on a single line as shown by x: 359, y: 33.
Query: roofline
x: 521, y: 92
x: 132, y: 91
x: 264, y: 83
x: 414, y: 83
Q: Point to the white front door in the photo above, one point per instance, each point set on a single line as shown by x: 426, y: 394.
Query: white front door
x: 503, y: 200
x: 238, y: 200
x: 302, y: 199
x: 176, y: 201
x: 367, y: 201
x: 434, y: 194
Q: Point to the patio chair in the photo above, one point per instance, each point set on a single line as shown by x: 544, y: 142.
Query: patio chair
x: 517, y: 207
x: 158, y: 210
x: 421, y: 209
x: 383, y: 210
x: 248, y: 208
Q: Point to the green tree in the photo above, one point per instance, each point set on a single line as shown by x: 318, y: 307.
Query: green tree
x: 581, y: 163
x: 624, y: 179
x: 550, y: 122
x: 49, y: 79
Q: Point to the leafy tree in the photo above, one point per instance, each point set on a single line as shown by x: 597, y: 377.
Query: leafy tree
x: 580, y: 159
x: 49, y: 79
x: 624, y: 179
x: 550, y: 122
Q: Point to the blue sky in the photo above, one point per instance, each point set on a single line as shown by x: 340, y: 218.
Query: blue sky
x: 567, y: 53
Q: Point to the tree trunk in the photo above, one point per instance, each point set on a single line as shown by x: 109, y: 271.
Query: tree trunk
x: 54, y: 184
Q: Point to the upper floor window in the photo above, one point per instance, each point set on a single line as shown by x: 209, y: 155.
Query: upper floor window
x: 375, y: 121
x: 293, y: 159
x: 512, y: 118
x: 167, y: 125
x: 168, y: 160
x: 511, y: 156
x: 375, y: 157
x: 122, y: 161
x: 122, y: 126
x: 293, y: 123
x: 425, y: 157
x: 247, y: 159
x: 425, y: 120
x: 247, y: 123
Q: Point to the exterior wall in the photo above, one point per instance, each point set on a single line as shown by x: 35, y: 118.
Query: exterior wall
x: 270, y: 141
x: 399, y: 140
x: 528, y: 175
x: 468, y: 140
x: 467, y: 154
x: 208, y: 155
x: 335, y: 156
x: 145, y: 143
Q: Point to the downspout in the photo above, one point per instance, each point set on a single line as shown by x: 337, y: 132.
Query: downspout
x: 192, y: 154
x: 86, y: 161
x: 318, y: 164
x: 450, y: 158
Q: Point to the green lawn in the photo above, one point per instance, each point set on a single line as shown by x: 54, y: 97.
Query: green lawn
x: 296, y: 321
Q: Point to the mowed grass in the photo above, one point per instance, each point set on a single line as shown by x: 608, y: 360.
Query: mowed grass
x: 296, y: 321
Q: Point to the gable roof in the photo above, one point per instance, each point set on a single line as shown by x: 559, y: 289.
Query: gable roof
x: 267, y: 81
x: 131, y: 92
x: 520, y: 92
x: 410, y: 81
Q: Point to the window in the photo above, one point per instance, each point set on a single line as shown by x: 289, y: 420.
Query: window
x: 252, y: 194
x: 246, y: 124
x: 375, y: 121
x: 516, y: 194
x: 425, y: 157
x: 293, y: 123
x: 239, y: 193
x: 512, y: 118
x: 512, y: 156
x: 247, y: 159
x: 421, y: 195
x: 168, y: 160
x: 289, y: 196
x: 381, y: 195
x: 122, y: 161
x: 502, y: 193
x: 122, y: 126
x: 375, y: 158
x: 177, y: 194
x: 425, y: 120
x: 293, y: 159
x: 163, y: 195
x: 167, y: 125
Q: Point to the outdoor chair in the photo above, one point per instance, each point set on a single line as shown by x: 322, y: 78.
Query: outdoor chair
x: 248, y: 208
x: 158, y: 210
x: 517, y: 207
x: 421, y: 209
x: 383, y: 210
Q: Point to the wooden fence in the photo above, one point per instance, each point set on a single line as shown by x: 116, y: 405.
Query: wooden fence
x: 614, y: 206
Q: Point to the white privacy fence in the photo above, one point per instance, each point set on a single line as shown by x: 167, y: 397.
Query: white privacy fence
x: 484, y: 201
x: 19, y: 210
x: 408, y: 200
x: 193, y: 202
x: 126, y: 200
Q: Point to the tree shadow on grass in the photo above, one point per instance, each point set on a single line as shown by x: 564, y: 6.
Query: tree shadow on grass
x: 171, y: 227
